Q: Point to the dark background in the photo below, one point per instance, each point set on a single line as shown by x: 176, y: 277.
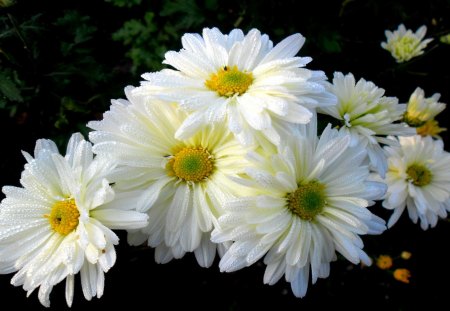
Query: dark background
x: 62, y: 61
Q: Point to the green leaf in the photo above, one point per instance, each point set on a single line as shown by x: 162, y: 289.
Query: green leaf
x: 9, y: 89
x: 330, y: 42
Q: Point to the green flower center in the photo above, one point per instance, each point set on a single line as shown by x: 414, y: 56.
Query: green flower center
x: 64, y: 216
x: 229, y: 81
x: 308, y: 200
x: 191, y: 164
x: 419, y: 175
x: 408, y: 42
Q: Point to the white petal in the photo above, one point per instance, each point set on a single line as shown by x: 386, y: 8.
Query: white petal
x: 178, y: 208
x: 206, y: 252
x: 70, y: 284
x: 289, y: 47
x: 299, y: 284
x: 117, y: 219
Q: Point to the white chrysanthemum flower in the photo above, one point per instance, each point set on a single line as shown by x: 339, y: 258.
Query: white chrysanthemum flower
x: 418, y: 179
x: 367, y: 116
x: 311, y: 202
x: 419, y: 109
x: 404, y: 44
x: 182, y: 184
x: 258, y: 89
x: 60, y: 222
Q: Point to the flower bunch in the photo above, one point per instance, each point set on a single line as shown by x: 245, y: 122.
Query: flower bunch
x: 386, y: 262
x: 221, y: 154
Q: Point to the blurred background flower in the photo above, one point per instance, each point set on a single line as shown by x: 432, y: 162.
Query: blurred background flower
x: 405, y: 44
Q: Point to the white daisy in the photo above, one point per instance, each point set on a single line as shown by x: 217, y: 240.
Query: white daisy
x: 60, y: 222
x: 258, y: 89
x: 404, y: 44
x: 418, y: 178
x: 311, y: 202
x: 419, y: 109
x: 367, y: 116
x: 182, y: 184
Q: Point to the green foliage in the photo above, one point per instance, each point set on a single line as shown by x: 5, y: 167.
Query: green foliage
x: 330, y: 42
x: 158, y: 30
x: 124, y: 3
x: 9, y: 87
x: 145, y: 39
x: 7, y: 3
x: 49, y: 70
x: 79, y: 29
x: 190, y: 13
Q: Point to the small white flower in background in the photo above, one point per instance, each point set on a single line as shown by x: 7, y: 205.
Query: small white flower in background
x: 418, y: 179
x: 59, y: 224
x: 404, y: 44
x: 419, y: 109
x: 311, y: 201
x: 181, y: 184
x: 367, y: 116
x: 258, y: 89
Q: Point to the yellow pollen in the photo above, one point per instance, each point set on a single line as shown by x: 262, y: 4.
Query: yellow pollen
x: 419, y: 175
x: 191, y: 164
x: 229, y: 81
x: 64, y: 216
x: 308, y: 200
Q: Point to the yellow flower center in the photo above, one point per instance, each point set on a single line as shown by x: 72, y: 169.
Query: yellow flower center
x: 419, y: 175
x: 430, y: 128
x: 191, y: 164
x: 413, y: 121
x: 229, y: 81
x: 307, y: 201
x: 64, y: 216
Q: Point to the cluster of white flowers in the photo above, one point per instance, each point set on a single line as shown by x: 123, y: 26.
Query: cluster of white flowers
x: 221, y: 155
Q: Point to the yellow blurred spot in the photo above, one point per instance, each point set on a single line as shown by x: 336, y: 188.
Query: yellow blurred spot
x: 384, y: 262
x: 445, y: 38
x: 405, y: 255
x: 402, y: 275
